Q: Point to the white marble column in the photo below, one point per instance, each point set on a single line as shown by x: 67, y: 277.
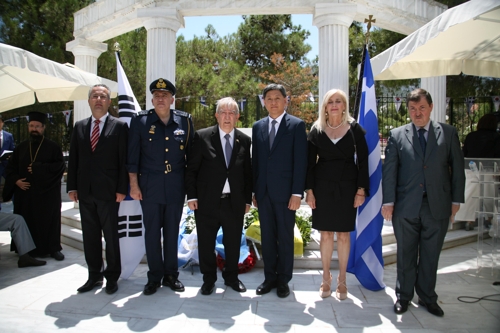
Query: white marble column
x: 436, y: 86
x: 162, y: 25
x: 333, y: 21
x: 86, y: 53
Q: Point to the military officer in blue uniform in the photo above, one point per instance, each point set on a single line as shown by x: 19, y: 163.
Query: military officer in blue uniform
x: 158, y: 141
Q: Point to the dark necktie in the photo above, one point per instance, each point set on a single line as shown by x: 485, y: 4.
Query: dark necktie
x: 423, y: 144
x: 94, y: 138
x: 229, y: 149
x: 421, y: 138
x: 272, y: 134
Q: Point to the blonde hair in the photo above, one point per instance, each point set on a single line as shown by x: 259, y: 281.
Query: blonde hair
x: 320, y: 123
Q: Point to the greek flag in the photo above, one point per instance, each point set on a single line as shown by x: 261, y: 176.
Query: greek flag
x: 243, y: 103
x: 130, y: 224
x: 203, y: 101
x: 365, y: 259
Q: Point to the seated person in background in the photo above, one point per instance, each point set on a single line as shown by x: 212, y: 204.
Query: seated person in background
x: 485, y: 141
x: 482, y: 143
x: 22, y: 238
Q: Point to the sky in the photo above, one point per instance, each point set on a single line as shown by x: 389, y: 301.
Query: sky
x: 225, y: 25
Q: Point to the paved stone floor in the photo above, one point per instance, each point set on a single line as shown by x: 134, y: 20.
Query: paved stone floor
x: 44, y: 299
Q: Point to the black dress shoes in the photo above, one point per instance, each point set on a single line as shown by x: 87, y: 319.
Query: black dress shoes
x: 401, y: 306
x: 433, y: 308
x: 173, y: 283
x: 111, y: 287
x: 89, y: 285
x: 237, y: 286
x: 283, y: 290
x: 57, y: 255
x: 150, y: 288
x: 26, y: 261
x: 265, y: 287
x: 207, y: 288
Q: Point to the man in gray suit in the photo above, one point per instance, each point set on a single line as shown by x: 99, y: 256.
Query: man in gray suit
x: 22, y: 238
x: 423, y: 184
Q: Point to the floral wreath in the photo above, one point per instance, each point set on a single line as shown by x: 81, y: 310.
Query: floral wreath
x: 243, y: 267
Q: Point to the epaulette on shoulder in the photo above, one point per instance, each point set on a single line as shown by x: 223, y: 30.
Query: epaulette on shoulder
x: 143, y: 112
x: 182, y: 113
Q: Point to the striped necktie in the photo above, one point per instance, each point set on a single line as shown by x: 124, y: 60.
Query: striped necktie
x: 95, y: 134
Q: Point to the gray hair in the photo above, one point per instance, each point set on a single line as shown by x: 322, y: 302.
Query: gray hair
x: 227, y: 102
x: 101, y: 85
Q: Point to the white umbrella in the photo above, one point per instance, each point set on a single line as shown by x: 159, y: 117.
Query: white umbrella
x: 24, y: 74
x: 464, y: 39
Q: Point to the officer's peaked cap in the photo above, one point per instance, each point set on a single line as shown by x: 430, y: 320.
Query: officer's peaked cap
x: 162, y: 84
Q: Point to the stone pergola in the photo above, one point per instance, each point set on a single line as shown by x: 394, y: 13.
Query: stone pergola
x: 106, y: 19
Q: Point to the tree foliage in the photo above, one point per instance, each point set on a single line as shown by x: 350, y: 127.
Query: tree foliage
x: 298, y: 82
x: 40, y: 26
x: 209, y: 66
x: 133, y: 58
x: 260, y: 36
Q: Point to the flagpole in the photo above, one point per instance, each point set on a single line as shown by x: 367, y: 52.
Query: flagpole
x: 357, y: 99
x: 116, y: 46
x: 359, y: 87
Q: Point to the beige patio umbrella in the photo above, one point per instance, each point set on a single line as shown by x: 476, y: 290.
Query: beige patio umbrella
x: 463, y: 39
x: 24, y: 75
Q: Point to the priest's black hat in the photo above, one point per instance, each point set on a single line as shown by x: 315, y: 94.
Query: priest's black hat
x: 37, y: 116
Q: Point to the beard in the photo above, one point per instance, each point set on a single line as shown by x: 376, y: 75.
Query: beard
x: 35, y: 136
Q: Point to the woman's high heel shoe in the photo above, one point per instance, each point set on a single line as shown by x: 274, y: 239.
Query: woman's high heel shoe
x: 341, y: 296
x: 326, y: 293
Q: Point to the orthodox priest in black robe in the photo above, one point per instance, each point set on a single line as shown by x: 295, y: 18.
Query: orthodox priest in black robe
x: 34, y: 175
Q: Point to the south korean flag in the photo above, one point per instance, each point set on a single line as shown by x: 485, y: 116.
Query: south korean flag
x: 130, y: 223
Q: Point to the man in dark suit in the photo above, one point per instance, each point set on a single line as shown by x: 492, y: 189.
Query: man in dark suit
x: 219, y: 190
x: 279, y: 163
x: 6, y: 143
x: 423, y: 185
x: 98, y: 178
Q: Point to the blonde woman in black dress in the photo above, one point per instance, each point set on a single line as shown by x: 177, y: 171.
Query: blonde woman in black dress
x: 336, y: 183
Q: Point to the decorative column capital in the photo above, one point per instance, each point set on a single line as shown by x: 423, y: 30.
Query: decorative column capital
x: 86, y: 47
x: 169, y: 18
x: 336, y: 13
